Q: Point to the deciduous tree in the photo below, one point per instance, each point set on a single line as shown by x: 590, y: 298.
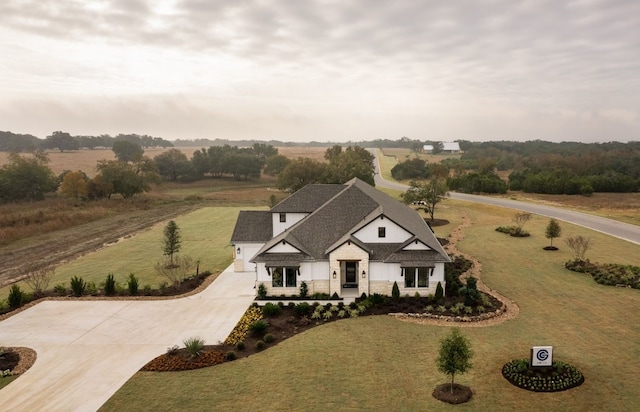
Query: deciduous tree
x: 455, y: 355
x: 172, y: 164
x: 74, y: 185
x: 26, y: 178
x: 126, y: 151
x: 579, y: 245
x: 299, y: 173
x: 426, y: 195
x: 553, y: 230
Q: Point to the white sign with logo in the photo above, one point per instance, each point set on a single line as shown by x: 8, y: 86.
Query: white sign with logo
x: 542, y: 356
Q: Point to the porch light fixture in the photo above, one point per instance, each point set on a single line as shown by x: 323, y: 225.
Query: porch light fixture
x: 334, y: 274
x: 364, y: 274
x: 238, y: 250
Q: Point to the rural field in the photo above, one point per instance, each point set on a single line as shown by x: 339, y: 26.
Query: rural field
x: 343, y: 365
x: 86, y: 160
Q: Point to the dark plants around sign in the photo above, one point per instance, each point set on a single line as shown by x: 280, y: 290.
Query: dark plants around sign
x: 558, y: 377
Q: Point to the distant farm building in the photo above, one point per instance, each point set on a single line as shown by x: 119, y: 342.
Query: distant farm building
x: 447, y: 147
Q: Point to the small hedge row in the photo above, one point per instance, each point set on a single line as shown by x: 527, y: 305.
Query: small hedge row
x: 609, y: 274
x: 559, y: 377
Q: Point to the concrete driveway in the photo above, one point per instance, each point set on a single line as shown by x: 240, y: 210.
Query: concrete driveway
x: 87, y: 350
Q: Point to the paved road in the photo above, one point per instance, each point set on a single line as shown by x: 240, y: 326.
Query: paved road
x: 611, y: 227
x: 88, y: 349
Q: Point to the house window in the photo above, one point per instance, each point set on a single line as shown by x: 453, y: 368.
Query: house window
x: 283, y: 217
x: 417, y: 277
x: 382, y: 231
x: 283, y: 276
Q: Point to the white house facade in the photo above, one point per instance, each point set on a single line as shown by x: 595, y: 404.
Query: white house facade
x: 339, y: 239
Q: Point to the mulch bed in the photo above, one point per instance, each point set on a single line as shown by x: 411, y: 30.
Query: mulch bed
x: 9, y: 360
x: 281, y: 327
x: 460, y: 393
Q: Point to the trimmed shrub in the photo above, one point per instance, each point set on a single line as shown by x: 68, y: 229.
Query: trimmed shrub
x: 439, y: 292
x: 395, y: 291
x: 78, y: 286
x: 262, y: 291
x: 303, y: 309
x: 230, y: 356
x: 270, y: 310
x: 268, y: 338
x: 260, y: 345
x: 132, y: 284
x: 363, y: 296
x: 304, y: 290
x: 110, y: 285
x: 241, y: 345
x: 335, y: 296
x: 16, y: 296
x: 377, y: 299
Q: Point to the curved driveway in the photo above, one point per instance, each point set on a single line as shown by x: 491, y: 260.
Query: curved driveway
x: 88, y: 349
x: 611, y: 227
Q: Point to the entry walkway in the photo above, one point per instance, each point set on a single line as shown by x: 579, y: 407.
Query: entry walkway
x: 88, y: 349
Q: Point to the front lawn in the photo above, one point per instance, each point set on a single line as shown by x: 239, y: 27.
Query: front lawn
x: 380, y: 363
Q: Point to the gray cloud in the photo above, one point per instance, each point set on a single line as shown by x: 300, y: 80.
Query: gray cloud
x: 540, y: 56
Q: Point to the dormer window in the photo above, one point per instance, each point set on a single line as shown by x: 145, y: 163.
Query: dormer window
x: 283, y: 217
x: 382, y: 232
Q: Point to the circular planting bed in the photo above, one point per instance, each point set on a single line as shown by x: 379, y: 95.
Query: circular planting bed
x: 452, y: 394
x: 559, y: 377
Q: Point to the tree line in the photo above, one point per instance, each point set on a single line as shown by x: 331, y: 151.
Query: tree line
x: 11, y: 142
x: 536, y: 167
x: 29, y: 178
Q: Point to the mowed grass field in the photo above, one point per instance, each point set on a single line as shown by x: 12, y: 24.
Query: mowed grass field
x: 205, y: 237
x: 379, y: 363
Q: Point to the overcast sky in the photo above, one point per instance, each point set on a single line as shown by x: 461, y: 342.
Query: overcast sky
x: 333, y: 70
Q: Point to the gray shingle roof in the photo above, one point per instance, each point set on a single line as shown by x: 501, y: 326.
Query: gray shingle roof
x: 307, y: 199
x: 253, y: 226
x: 354, y: 205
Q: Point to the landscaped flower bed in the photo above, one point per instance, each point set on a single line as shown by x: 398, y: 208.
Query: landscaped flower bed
x: 180, y: 360
x: 559, y: 377
x: 241, y: 329
x: 610, y: 274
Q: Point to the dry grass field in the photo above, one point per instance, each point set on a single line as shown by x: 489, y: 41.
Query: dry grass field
x: 86, y: 160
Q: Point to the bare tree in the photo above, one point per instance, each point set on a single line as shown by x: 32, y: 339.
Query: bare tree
x: 38, y: 278
x: 520, y: 219
x: 579, y: 245
x: 177, y: 272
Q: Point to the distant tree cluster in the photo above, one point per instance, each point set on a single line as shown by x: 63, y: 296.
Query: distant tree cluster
x: 26, y: 178
x: 487, y: 182
x: 342, y: 165
x: 239, y: 162
x: 58, y: 140
x: 561, y: 168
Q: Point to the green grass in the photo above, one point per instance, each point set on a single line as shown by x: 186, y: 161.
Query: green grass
x: 7, y: 380
x: 379, y: 363
x: 205, y: 236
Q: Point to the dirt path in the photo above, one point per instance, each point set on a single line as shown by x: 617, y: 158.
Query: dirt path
x: 512, y: 308
x: 63, y: 245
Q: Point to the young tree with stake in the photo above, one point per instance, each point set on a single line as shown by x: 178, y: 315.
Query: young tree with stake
x: 455, y: 355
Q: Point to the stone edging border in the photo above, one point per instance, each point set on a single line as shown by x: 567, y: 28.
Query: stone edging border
x: 507, y: 311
